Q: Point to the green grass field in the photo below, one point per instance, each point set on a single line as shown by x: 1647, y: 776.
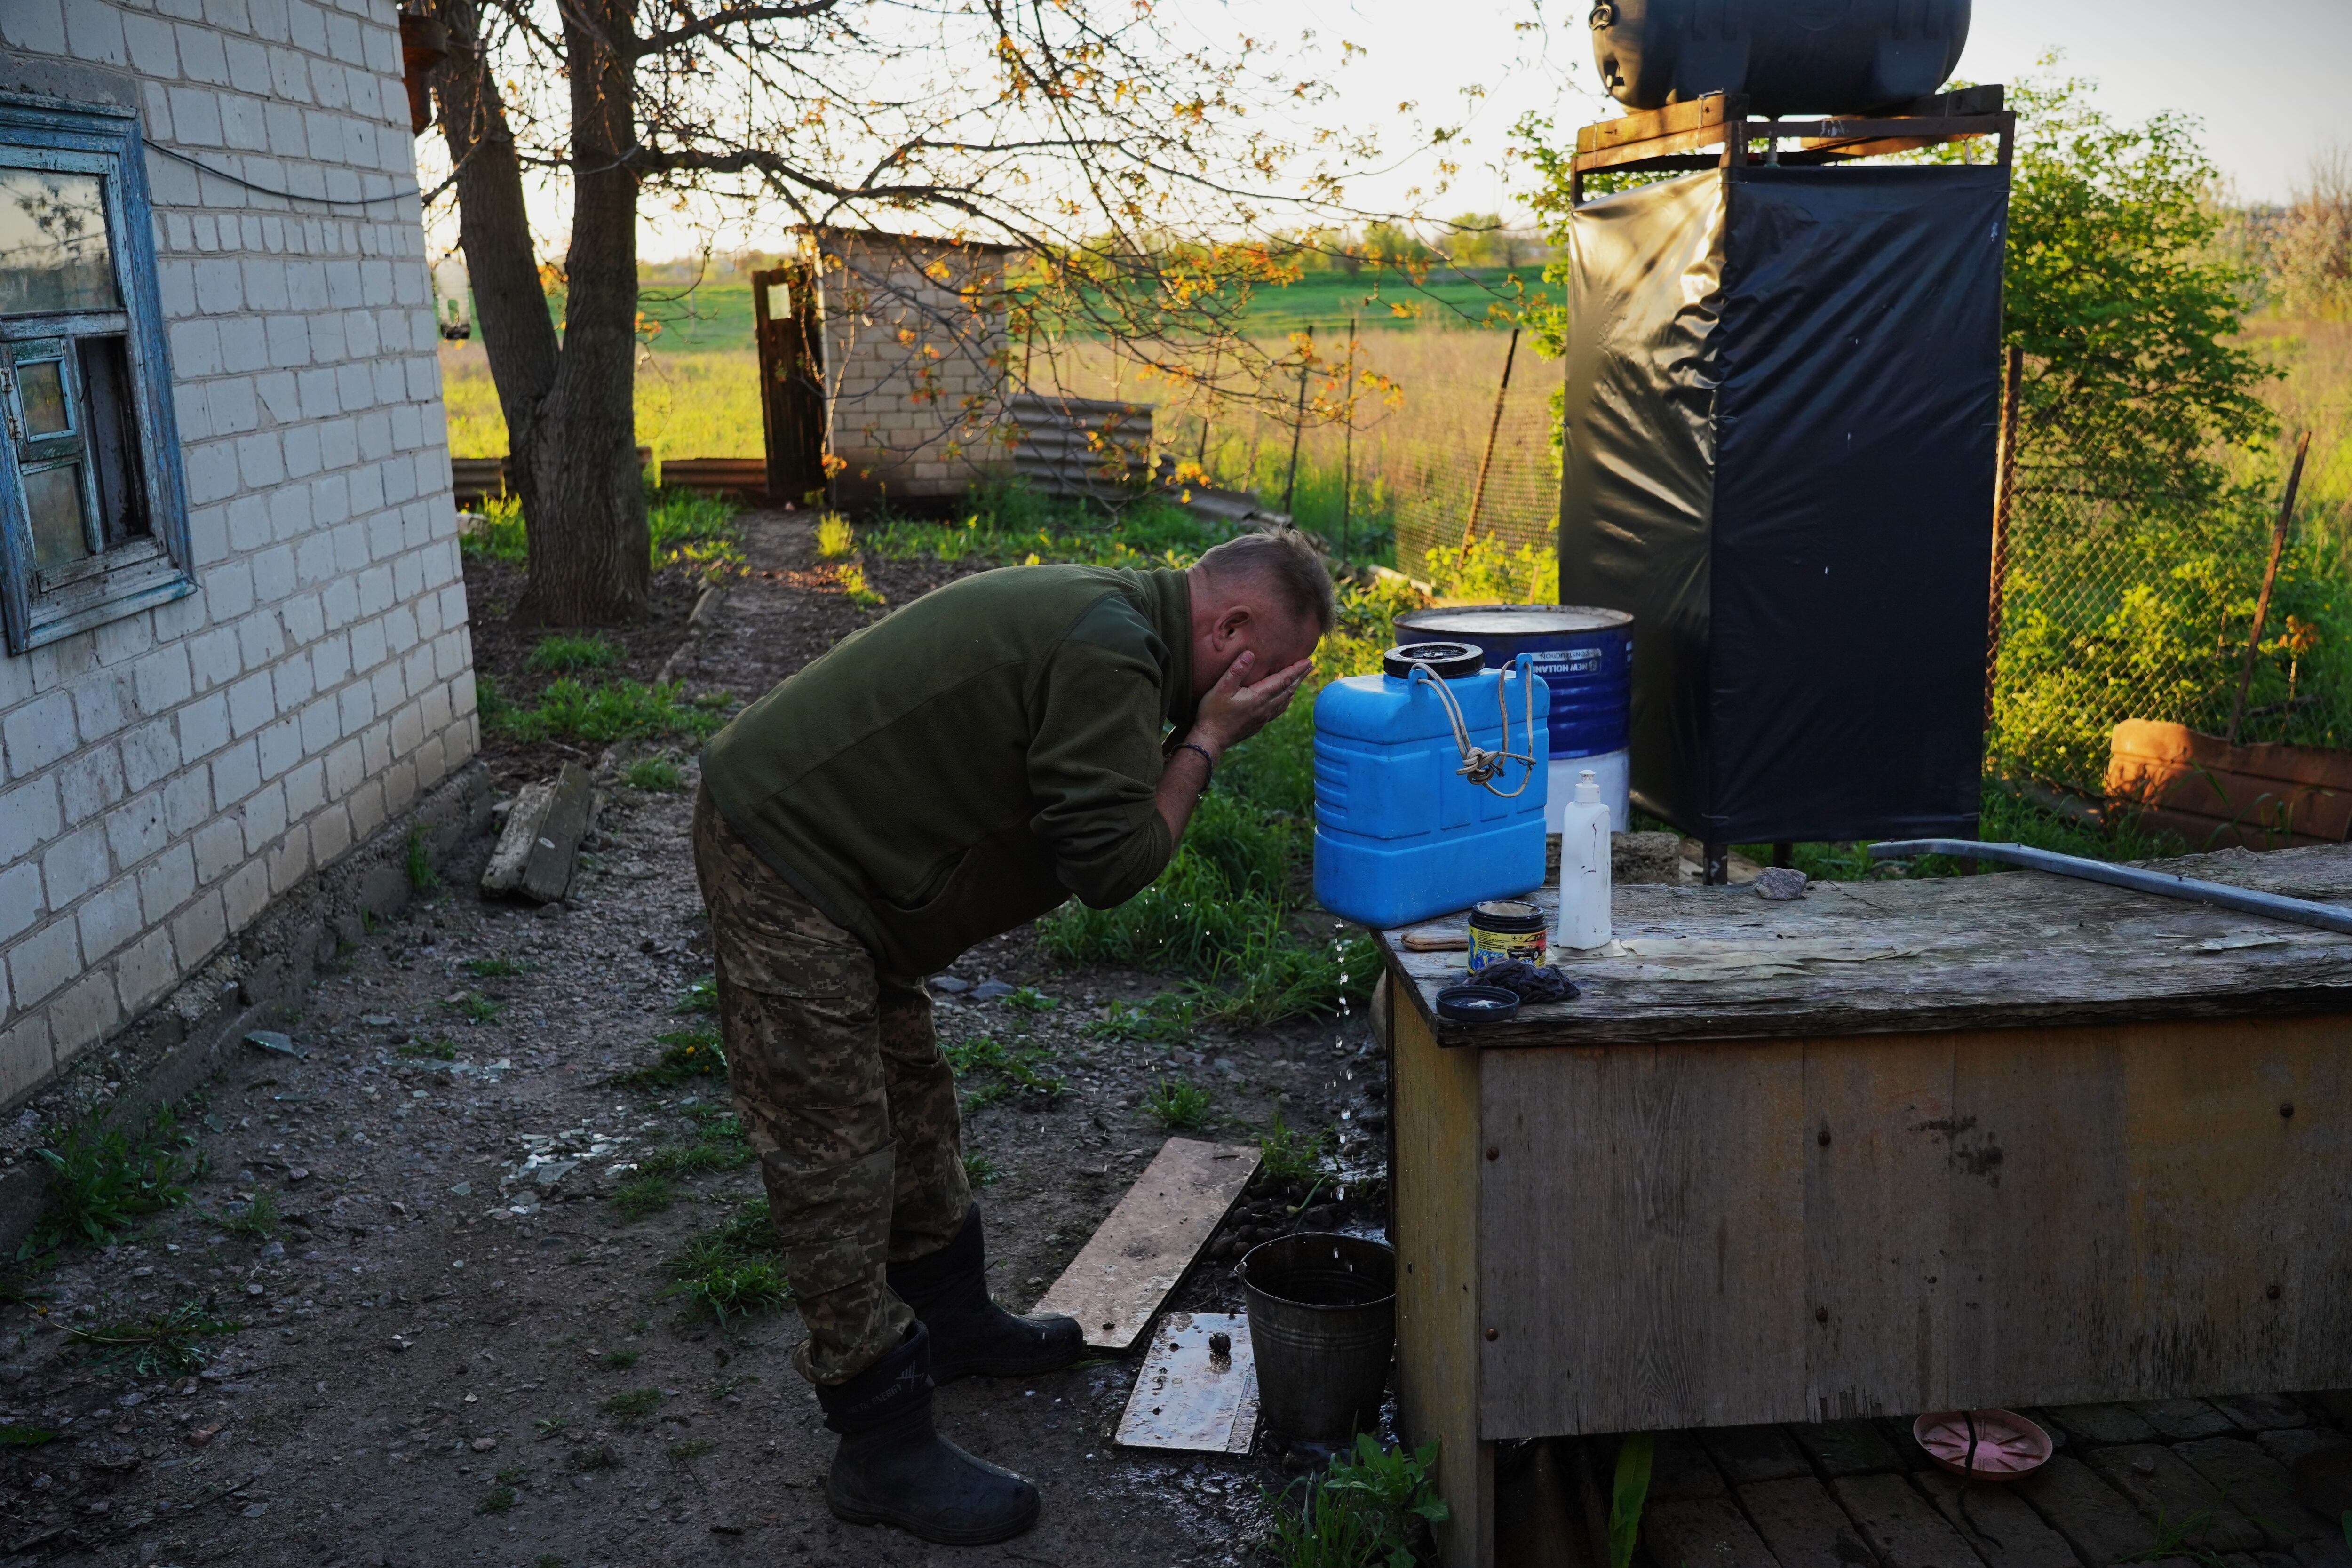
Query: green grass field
x: 1451, y: 298
x: 680, y: 319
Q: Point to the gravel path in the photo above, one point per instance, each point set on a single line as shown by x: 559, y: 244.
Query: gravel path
x: 438, y: 1347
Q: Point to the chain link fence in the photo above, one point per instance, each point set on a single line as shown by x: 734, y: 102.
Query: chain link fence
x: 2121, y: 597
x: 1503, y: 492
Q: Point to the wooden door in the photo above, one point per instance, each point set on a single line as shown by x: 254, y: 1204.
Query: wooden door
x: 792, y: 381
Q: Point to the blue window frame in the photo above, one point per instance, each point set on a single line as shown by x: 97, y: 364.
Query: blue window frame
x: 93, y: 506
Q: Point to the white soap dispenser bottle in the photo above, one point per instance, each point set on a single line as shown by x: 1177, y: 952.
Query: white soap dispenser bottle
x: 1584, y: 868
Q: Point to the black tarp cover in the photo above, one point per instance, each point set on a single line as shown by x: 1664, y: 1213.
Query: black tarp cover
x: 1783, y: 387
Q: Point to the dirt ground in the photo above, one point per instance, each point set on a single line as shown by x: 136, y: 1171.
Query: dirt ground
x: 430, y: 1337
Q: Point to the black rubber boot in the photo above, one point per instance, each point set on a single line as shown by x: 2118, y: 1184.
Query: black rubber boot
x: 893, y: 1469
x: 971, y: 1336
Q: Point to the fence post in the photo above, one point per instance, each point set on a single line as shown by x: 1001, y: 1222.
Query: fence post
x: 2270, y: 575
x: 2004, y: 487
x: 1348, y: 447
x: 1299, y: 428
x: 1494, y: 432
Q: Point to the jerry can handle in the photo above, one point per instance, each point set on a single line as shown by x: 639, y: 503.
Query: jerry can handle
x: 1480, y: 765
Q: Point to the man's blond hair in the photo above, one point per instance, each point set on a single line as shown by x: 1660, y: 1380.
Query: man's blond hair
x: 1283, y: 561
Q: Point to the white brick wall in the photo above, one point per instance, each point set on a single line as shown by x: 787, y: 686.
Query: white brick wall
x: 907, y: 355
x: 163, y: 777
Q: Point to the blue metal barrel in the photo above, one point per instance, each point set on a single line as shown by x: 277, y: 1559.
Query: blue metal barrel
x: 1585, y: 657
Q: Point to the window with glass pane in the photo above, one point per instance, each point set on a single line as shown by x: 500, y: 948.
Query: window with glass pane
x: 91, y: 515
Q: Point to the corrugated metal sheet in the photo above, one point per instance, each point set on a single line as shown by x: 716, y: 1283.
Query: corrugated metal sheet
x: 1085, y: 448
x: 744, y: 477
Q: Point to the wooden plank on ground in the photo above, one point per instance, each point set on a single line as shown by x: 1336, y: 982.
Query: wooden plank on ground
x: 1899, y: 1525
x: 1115, y: 1284
x: 2259, y: 1487
x: 2102, y: 1423
x: 1709, y: 1531
x: 1187, y: 1397
x: 547, y: 863
x: 1756, y: 1453
x: 2096, y: 1519
x: 1680, y: 1470
x: 513, y: 848
x: 2168, y: 1490
x: 541, y: 836
x: 2001, y: 1525
x: 2263, y: 1412
x: 1848, y: 1447
x: 2183, y: 1419
x: 1801, y: 1525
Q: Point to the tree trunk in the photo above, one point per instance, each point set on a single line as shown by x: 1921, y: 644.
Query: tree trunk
x: 597, y: 564
x: 571, y: 423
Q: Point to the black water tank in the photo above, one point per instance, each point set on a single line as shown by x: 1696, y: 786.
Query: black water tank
x: 1818, y: 57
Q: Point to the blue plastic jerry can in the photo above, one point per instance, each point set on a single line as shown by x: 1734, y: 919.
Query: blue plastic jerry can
x: 1400, y: 833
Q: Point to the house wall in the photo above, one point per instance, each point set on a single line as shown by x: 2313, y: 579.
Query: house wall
x: 914, y: 364
x: 164, y: 777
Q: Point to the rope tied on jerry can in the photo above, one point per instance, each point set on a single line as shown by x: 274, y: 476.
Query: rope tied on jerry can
x: 1479, y: 765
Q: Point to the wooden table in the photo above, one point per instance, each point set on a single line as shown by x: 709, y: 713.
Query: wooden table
x: 1893, y: 1147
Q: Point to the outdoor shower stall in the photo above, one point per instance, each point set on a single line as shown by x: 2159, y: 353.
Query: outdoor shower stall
x: 1780, y: 454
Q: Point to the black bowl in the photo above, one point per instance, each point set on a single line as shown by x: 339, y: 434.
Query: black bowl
x: 1476, y: 1003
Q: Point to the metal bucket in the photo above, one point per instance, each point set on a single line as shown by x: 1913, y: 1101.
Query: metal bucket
x: 1322, y: 1317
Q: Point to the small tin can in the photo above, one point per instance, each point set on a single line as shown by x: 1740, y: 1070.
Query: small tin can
x: 1505, y: 929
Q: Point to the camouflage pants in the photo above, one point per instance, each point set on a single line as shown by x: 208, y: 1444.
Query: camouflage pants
x: 844, y: 1095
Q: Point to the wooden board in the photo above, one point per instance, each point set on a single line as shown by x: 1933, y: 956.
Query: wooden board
x: 1640, y: 127
x: 1190, y: 1399
x: 2013, y: 950
x: 548, y: 864
x: 1115, y: 1284
x: 1999, y: 1217
x: 1642, y: 139
x: 1642, y: 1247
x: 1433, y: 1183
x: 544, y: 828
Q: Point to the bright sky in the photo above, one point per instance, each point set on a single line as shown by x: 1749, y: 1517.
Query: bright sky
x: 2146, y: 56
x: 2286, y: 59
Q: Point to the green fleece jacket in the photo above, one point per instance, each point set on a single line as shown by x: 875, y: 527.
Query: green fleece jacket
x: 971, y: 760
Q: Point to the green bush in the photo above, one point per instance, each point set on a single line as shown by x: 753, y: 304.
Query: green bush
x: 718, y: 1146
x: 421, y: 874
x: 1370, y: 1508
x: 1286, y: 1156
x: 681, y: 526
x: 496, y: 532
x: 1010, y: 524
x: 1179, y: 1106
x: 653, y: 773
x: 1167, y: 1016
x: 100, y: 1184
x: 685, y: 1054
x: 1015, y: 1071
x: 566, y: 654
x: 623, y: 710
x: 163, y: 1345
x: 732, y: 1269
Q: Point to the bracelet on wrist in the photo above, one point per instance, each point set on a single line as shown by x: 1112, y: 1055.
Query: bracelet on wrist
x: 1202, y: 752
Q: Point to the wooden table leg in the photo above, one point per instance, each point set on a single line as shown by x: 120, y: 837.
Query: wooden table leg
x: 1433, y: 1187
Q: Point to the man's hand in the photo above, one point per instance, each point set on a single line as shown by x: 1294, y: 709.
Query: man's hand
x: 1232, y: 712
